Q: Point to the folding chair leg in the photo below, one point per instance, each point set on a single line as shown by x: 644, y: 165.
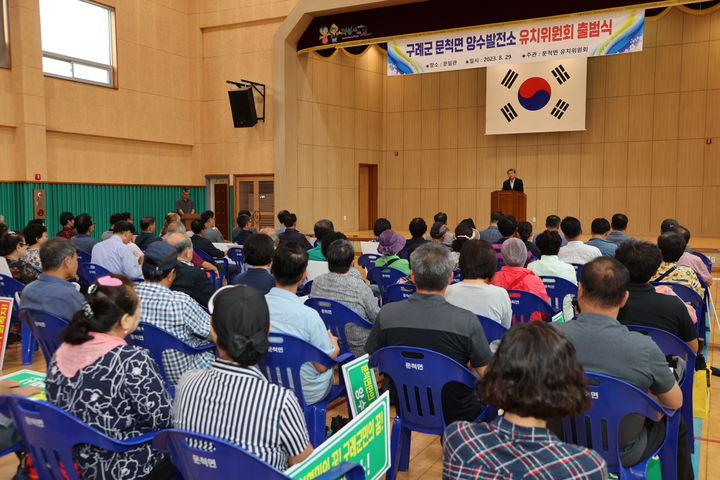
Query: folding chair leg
x: 29, y: 345
x: 394, y: 449
x: 405, y: 439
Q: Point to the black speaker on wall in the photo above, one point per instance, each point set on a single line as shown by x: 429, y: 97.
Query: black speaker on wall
x: 242, y: 104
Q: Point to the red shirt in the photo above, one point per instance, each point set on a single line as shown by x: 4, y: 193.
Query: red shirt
x: 67, y: 232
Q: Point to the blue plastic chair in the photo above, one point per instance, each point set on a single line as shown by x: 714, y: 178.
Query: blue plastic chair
x: 578, y: 270
x: 688, y: 295
x: 419, y: 376
x: 49, y: 434
x: 11, y: 288
x: 367, y: 261
x: 199, y: 457
x: 156, y: 341
x: 83, y: 256
x: 236, y: 255
x: 281, y: 365
x: 384, y: 276
x: 336, y: 316
x: 708, y: 263
x: 457, y: 277
x: 398, y: 292
x: 90, y: 272
x: 598, y: 428
x: 304, y: 289
x: 671, y: 345
x: 493, y: 330
x: 213, y: 278
x: 557, y: 289
x: 524, y: 304
x: 225, y: 269
x: 47, y: 329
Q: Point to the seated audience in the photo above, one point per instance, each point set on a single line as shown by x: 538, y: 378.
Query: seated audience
x: 281, y: 219
x: 35, y: 236
x: 687, y: 259
x: 200, y: 242
x: 513, y: 276
x: 252, y: 222
x: 605, y: 346
x: 427, y: 320
x: 170, y: 218
x: 390, y: 244
x: 575, y: 251
x: 13, y: 248
x: 322, y: 228
x: 189, y: 279
x: 672, y: 247
x: 288, y: 315
x: 270, y: 232
x: 231, y: 397
x: 507, y: 226
x: 619, y: 223
x: 492, y: 234
x: 178, y: 227
x: 114, y: 218
x: 645, y: 306
x: 380, y: 225
x: 438, y: 230
x: 552, y: 223
x: 52, y: 292
x: 463, y: 233
x: 292, y: 235
x: 524, y: 230
x: 350, y: 290
x: 109, y: 385
x: 258, y: 252
x: 211, y: 231
x: 668, y: 224
x: 441, y: 218
x: 600, y: 229
x: 174, y: 312
x: 85, y: 227
x: 67, y: 220
x: 550, y: 265
x: 243, y: 230
x: 478, y: 263
x: 417, y: 228
x: 533, y: 376
x: 115, y: 255
x: 147, y: 233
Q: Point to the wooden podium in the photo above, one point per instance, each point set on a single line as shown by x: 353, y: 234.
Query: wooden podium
x: 509, y: 202
x: 188, y: 218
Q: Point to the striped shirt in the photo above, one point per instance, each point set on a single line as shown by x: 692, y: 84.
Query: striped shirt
x: 500, y: 450
x: 239, y: 405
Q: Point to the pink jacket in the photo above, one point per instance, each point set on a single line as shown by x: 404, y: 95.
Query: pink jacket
x: 520, y: 278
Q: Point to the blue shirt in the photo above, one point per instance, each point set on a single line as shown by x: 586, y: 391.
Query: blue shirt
x: 257, y: 278
x: 491, y: 234
x: 84, y: 242
x: 617, y: 237
x: 562, y: 238
x: 289, y: 315
x: 52, y: 295
x: 605, y: 247
x: 115, y: 256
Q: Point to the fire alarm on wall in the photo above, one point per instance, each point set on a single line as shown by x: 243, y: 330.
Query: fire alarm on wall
x: 37, y: 176
x: 708, y: 141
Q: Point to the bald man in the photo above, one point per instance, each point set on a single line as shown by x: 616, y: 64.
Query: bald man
x: 189, y: 279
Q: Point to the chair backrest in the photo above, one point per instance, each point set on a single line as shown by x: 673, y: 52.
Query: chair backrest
x: 83, y: 256
x: 156, y: 341
x: 557, y: 289
x: 213, y: 278
x: 89, y: 272
x: 11, y: 288
x: 287, y: 353
x: 493, y: 330
x: 204, y: 256
x: 46, y: 328
x: 578, y: 270
x: 457, y: 276
x: 524, y: 304
x: 688, y: 295
x: 398, y: 292
x: 336, y: 316
x: 49, y: 435
x: 419, y: 376
x: 598, y: 428
x: 236, y: 255
x: 708, y: 263
x: 305, y: 289
x: 384, y: 276
x: 198, y: 456
x: 367, y: 261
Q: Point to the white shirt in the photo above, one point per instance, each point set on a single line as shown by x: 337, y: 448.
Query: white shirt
x: 552, y: 266
x: 578, y: 252
x: 487, y: 300
x: 117, y: 257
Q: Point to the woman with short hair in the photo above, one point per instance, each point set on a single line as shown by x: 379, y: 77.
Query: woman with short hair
x: 35, y: 235
x: 533, y: 376
x: 13, y: 247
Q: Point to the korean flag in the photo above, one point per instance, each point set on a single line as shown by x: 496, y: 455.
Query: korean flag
x: 536, y: 97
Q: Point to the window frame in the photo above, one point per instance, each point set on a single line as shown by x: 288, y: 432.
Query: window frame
x: 5, y: 61
x: 111, y: 69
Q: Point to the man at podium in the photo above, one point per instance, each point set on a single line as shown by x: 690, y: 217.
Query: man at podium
x: 184, y: 204
x: 513, y: 183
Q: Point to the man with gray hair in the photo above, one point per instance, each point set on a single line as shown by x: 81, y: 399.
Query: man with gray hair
x: 177, y: 227
x: 52, y: 292
x: 189, y: 279
x: 427, y: 320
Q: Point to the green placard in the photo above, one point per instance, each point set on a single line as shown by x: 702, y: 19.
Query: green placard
x: 365, y: 440
x: 29, y: 378
x: 558, y: 317
x: 360, y: 384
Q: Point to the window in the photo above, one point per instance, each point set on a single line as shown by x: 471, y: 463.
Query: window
x: 77, y: 40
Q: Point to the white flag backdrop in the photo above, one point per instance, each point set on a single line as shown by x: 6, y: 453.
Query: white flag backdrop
x: 536, y: 97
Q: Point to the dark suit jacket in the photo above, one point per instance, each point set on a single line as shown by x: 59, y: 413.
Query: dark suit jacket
x: 206, y: 246
x: 291, y: 235
x: 194, y: 282
x: 517, y: 186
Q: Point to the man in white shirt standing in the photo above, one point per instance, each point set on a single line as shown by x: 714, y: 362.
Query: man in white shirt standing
x: 576, y: 251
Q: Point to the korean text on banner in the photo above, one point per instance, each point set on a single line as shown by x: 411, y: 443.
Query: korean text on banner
x: 583, y: 36
x: 365, y: 440
x: 360, y: 384
x: 6, y: 306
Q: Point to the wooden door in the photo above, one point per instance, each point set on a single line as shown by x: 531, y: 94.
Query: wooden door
x: 367, y: 196
x: 257, y: 194
x: 221, y: 208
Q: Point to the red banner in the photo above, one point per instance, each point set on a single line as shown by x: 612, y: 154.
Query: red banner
x: 6, y: 306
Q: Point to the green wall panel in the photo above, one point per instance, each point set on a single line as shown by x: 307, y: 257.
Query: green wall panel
x: 100, y: 201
